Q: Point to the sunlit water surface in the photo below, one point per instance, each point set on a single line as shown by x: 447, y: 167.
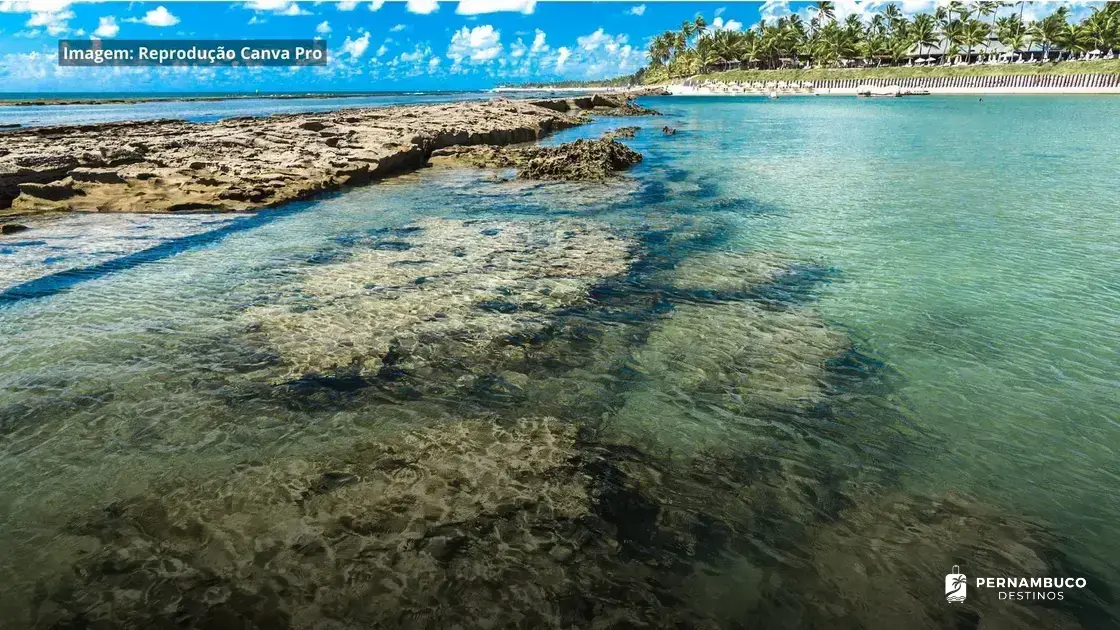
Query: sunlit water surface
x: 810, y: 354
x: 205, y: 110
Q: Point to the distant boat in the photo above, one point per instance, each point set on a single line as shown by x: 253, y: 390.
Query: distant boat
x: 875, y: 91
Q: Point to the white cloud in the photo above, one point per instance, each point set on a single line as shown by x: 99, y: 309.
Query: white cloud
x: 477, y: 7
x: 382, y: 50
x: 538, y: 43
x: 433, y: 63
x: 33, y: 6
x: 375, y: 5
x: 423, y: 7
x: 398, y: 28
x: 158, y: 16
x: 518, y: 49
x: 418, y: 54
x: 601, y: 39
x: 347, y: 5
x: 562, y: 57
x: 54, y: 22
x: 479, y: 44
x: 356, y: 47
x: 720, y: 11
x: 596, y: 55
x: 279, y: 7
x: 323, y: 28
x: 256, y: 19
x: 293, y: 9
x: 638, y: 10
x: 771, y: 10
x: 719, y: 24
x: 107, y: 27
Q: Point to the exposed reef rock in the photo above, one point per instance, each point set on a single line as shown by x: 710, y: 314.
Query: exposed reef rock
x: 619, y: 104
x: 621, y: 132
x: 250, y: 163
x: 582, y: 160
x: 436, y: 293
x: 12, y: 228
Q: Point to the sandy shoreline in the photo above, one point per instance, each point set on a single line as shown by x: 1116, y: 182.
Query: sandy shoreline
x: 250, y: 163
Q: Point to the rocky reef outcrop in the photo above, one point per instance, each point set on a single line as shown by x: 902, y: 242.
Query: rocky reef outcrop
x: 615, y: 104
x: 250, y: 163
x: 583, y: 160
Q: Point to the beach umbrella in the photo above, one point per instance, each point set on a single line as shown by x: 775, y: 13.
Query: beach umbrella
x: 1095, y: 51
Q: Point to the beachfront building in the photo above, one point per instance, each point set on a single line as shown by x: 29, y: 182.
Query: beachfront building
x: 990, y: 52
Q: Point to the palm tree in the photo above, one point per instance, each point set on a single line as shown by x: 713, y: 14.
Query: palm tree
x: 886, y: 37
x: 1102, y: 26
x: 959, y: 8
x: 1046, y: 31
x: 826, y: 12
x: 924, y: 31
x: 951, y: 31
x: 974, y: 33
x: 893, y: 15
x: 688, y: 29
x: 705, y: 55
x: 1072, y: 38
x: 700, y: 25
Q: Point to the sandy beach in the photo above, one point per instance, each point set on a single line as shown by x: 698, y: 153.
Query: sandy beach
x: 684, y: 90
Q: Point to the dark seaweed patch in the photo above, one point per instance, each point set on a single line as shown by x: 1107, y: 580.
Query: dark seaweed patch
x: 393, y: 246
x: 327, y: 257
x: 498, y: 306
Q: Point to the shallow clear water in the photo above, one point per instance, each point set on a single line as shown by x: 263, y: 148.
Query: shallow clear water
x: 810, y: 354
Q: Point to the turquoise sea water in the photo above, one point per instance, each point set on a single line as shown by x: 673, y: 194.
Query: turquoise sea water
x: 805, y: 358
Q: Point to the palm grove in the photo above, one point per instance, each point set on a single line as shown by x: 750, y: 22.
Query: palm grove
x: 887, y: 38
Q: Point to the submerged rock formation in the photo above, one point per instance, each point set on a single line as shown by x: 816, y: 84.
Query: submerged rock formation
x: 436, y: 293
x: 518, y: 523
x: 250, y: 163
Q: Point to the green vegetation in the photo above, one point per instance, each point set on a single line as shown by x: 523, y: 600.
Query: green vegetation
x: 906, y: 72
x: 885, y: 40
x: 630, y: 79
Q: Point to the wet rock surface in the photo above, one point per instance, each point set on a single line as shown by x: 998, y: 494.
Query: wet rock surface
x: 582, y: 160
x: 246, y: 163
x: 622, y: 132
x: 436, y: 293
x: 618, y: 104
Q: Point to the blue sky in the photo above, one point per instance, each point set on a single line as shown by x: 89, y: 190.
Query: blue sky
x: 378, y: 45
